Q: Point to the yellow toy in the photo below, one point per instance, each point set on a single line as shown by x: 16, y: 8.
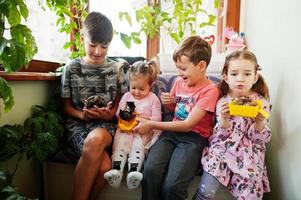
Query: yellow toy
x: 246, y: 107
x: 127, y: 117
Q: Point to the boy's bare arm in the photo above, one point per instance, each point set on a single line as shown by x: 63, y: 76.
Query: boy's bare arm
x: 187, y: 125
x: 73, y: 112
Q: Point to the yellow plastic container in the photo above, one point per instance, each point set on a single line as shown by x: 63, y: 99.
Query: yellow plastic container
x: 127, y: 126
x: 248, y: 111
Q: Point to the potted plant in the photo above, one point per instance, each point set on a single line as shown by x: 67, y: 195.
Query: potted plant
x: 39, y: 135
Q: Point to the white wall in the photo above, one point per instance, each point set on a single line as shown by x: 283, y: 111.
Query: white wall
x: 26, y: 94
x: 273, y: 30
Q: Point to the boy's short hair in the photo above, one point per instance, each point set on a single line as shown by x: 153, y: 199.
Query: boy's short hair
x: 195, y: 48
x: 98, y: 28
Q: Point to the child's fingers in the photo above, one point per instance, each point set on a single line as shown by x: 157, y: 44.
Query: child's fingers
x: 139, y: 119
x: 166, y: 98
x: 110, y: 105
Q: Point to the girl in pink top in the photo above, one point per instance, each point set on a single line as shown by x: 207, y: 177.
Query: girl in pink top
x: 236, y: 152
x: 132, y: 146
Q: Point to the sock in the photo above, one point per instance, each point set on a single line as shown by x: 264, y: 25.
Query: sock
x: 114, y: 177
x: 133, y: 179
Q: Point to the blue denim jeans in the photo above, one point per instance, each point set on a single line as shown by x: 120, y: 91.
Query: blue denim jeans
x: 172, y: 163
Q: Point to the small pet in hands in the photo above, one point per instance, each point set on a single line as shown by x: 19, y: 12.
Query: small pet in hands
x: 95, y: 100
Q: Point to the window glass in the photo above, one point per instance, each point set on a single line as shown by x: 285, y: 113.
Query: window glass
x: 49, y: 40
x: 111, y: 9
x: 167, y: 44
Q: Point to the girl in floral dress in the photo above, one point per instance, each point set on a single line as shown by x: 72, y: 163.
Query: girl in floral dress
x: 236, y: 153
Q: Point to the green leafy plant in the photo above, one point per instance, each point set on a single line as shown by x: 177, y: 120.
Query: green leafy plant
x: 6, y: 190
x: 38, y: 137
x: 71, y: 14
x: 17, y: 45
x: 181, y: 20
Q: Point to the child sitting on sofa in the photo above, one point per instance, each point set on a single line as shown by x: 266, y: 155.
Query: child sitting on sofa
x: 129, y: 145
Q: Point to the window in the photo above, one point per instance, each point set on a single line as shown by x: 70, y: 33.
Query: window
x: 49, y: 40
x: 111, y: 9
x: 167, y: 44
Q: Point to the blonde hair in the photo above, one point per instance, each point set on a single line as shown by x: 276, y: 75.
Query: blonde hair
x: 149, y: 69
x: 260, y: 86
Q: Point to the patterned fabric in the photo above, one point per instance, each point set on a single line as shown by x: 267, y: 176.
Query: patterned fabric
x: 236, y: 155
x: 80, y: 81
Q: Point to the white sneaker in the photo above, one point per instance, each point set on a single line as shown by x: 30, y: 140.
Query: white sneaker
x: 133, y: 180
x: 113, y: 177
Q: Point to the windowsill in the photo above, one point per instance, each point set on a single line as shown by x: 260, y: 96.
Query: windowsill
x: 29, y: 76
x: 37, y: 70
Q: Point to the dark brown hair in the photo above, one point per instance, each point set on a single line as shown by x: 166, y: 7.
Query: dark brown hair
x: 98, y: 28
x: 195, y: 48
x: 260, y: 86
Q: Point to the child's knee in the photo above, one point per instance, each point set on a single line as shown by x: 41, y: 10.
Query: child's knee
x: 96, y: 140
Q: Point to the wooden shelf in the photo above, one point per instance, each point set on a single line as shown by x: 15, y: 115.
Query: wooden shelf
x: 30, y: 76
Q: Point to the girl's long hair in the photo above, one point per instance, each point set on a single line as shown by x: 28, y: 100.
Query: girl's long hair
x: 260, y: 86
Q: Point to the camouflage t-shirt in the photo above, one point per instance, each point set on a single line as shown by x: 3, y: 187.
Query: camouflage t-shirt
x: 81, y: 80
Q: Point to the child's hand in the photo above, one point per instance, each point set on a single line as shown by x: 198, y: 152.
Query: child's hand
x: 260, y: 121
x: 144, y: 126
x: 104, y: 113
x: 225, y: 115
x: 166, y: 98
x: 84, y: 115
x: 141, y: 116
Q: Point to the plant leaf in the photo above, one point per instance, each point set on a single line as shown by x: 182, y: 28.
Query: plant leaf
x: 23, y: 9
x: 14, y: 16
x: 135, y: 37
x: 126, y: 40
x: 6, y: 94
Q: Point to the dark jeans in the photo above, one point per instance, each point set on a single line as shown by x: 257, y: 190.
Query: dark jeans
x: 171, y: 165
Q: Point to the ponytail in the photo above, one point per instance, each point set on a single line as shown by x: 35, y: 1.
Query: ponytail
x: 261, y: 87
